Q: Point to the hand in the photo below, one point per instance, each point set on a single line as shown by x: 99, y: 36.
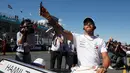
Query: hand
x: 44, y: 12
x: 23, y: 31
x: 101, y: 70
x: 111, y: 39
x: 60, y: 39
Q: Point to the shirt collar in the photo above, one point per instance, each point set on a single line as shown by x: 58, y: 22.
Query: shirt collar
x: 91, y: 38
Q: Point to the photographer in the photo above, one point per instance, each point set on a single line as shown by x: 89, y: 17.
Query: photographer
x: 25, y: 41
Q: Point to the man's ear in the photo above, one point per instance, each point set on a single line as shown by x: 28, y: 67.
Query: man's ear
x: 83, y: 28
x: 94, y: 27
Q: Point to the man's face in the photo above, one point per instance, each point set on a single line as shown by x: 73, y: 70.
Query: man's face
x: 23, y: 27
x: 89, y: 28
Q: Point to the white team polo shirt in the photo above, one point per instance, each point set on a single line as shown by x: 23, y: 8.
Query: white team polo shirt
x: 88, y: 49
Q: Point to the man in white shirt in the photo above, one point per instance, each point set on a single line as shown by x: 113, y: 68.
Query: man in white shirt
x: 70, y: 54
x: 56, y: 51
x: 25, y: 41
x: 89, y: 47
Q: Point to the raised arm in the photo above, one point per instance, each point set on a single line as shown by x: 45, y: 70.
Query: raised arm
x: 58, y: 28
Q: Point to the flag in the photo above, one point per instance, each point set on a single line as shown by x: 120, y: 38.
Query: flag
x: 9, y: 6
x: 21, y: 11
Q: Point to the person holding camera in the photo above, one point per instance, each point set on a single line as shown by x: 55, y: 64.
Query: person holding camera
x: 25, y: 41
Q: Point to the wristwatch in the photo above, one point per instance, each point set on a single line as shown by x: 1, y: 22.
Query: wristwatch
x: 105, y: 69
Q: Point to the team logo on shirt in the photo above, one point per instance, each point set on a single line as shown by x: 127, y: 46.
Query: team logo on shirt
x: 96, y: 46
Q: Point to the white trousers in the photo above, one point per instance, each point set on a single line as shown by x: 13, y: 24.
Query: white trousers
x: 83, y: 70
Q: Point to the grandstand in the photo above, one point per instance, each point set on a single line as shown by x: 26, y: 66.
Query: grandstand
x: 8, y: 25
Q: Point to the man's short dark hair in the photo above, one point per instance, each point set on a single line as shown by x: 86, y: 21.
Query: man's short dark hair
x: 29, y: 25
x: 25, y: 21
x: 88, y: 20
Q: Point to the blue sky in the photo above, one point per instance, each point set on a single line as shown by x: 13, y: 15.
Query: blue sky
x: 112, y: 17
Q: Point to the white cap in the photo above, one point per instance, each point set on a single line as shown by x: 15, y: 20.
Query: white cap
x: 39, y: 61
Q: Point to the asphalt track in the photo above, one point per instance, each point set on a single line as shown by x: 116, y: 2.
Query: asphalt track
x: 46, y: 56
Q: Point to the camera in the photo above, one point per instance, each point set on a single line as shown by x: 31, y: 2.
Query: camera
x: 30, y: 29
x: 27, y: 29
x: 26, y: 26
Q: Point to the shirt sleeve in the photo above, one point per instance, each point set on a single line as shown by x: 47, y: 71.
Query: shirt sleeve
x: 74, y: 39
x: 19, y: 36
x: 56, y: 45
x: 103, y: 47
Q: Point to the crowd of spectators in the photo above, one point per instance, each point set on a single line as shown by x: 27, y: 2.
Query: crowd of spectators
x: 117, y: 52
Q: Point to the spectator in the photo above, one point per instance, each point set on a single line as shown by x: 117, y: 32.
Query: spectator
x: 25, y: 41
x: 56, y: 51
x: 70, y: 58
x: 4, y: 46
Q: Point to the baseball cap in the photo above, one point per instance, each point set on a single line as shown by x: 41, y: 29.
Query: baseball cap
x: 88, y: 21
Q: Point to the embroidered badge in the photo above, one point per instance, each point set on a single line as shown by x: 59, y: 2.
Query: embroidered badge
x: 96, y: 46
